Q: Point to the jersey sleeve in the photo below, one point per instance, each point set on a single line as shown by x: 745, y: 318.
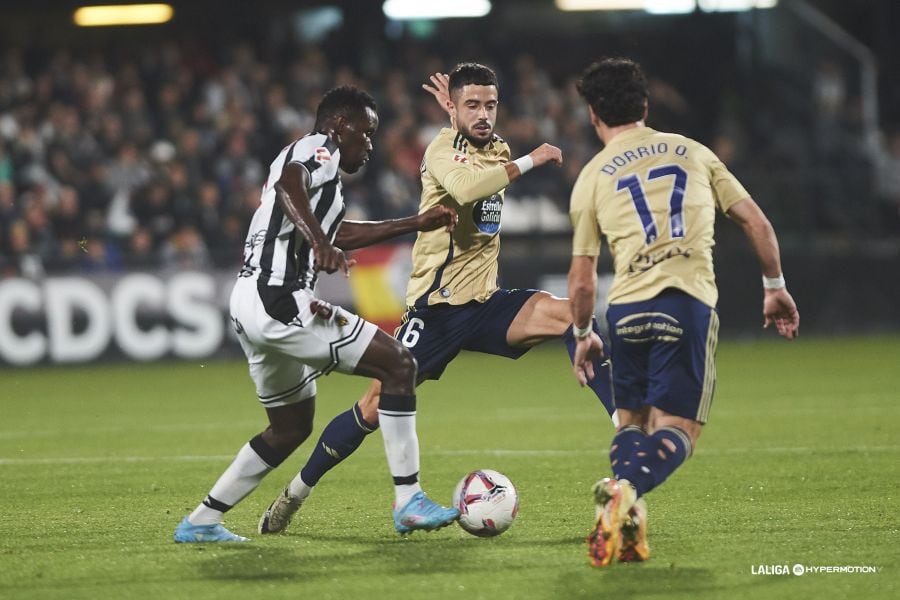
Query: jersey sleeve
x: 586, y: 230
x: 455, y: 175
x: 727, y: 189
x: 321, y: 162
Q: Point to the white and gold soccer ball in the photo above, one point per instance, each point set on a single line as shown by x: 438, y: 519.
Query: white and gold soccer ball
x: 487, y: 501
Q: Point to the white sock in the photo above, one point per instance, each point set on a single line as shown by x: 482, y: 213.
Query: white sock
x: 298, y: 489
x: 241, y: 477
x: 404, y: 493
x: 401, y: 445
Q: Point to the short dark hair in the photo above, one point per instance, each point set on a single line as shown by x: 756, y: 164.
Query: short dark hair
x: 616, y: 89
x: 345, y: 100
x: 471, y: 73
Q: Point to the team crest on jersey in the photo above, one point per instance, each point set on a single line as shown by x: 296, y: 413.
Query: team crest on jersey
x: 322, y: 154
x: 486, y: 214
x: 461, y: 158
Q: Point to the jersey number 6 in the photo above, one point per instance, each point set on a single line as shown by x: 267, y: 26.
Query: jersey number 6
x: 676, y: 201
x: 411, y: 335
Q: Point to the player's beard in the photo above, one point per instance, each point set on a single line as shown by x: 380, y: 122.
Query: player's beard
x: 475, y: 141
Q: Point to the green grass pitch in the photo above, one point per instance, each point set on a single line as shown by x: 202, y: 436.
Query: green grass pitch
x: 800, y: 463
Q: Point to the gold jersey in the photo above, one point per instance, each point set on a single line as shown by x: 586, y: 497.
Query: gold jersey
x: 654, y: 196
x: 460, y: 267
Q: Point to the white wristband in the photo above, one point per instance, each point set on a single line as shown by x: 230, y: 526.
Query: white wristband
x: 525, y: 164
x: 581, y: 333
x: 774, y: 283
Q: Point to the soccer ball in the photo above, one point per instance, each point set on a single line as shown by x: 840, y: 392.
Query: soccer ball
x: 487, y: 502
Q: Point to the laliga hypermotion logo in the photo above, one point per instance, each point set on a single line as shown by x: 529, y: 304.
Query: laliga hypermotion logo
x: 799, y: 569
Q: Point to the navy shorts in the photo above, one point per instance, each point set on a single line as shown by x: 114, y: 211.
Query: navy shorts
x: 435, y: 334
x: 664, y: 354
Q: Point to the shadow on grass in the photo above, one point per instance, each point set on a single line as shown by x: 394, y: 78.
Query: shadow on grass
x: 448, y: 537
x: 409, y: 561
x: 338, y: 556
x: 654, y: 579
x: 325, y: 558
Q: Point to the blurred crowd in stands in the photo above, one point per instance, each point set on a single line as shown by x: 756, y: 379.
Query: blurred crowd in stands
x: 156, y: 160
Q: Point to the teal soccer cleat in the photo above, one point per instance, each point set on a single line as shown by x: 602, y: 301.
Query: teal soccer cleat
x: 188, y: 533
x: 422, y: 513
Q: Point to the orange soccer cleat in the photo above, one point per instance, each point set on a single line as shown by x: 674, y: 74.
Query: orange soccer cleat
x: 634, y: 546
x: 614, y: 500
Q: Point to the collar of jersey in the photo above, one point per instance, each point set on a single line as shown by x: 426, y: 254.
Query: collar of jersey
x: 630, y: 134
x: 470, y: 147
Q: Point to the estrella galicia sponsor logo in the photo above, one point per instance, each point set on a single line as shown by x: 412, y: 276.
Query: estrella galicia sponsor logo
x: 486, y: 214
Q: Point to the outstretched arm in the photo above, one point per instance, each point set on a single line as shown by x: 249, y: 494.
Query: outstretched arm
x: 293, y: 198
x: 779, y: 307
x: 466, y: 185
x: 358, y: 234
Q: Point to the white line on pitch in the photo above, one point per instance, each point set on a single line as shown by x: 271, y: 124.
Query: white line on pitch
x: 170, y: 428
x: 87, y: 460
x: 707, y: 451
x: 80, y: 460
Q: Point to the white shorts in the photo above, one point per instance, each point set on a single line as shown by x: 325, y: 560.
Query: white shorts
x: 285, y: 360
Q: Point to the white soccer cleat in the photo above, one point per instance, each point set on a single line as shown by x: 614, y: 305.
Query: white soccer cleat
x: 279, y: 514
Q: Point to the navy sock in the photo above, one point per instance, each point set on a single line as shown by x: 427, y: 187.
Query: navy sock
x: 341, y: 437
x: 653, y: 461
x: 625, y: 443
x: 601, y: 384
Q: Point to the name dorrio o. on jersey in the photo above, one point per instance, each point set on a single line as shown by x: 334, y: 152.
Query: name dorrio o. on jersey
x: 654, y: 196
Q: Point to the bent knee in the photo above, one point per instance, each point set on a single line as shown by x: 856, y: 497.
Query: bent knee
x: 632, y: 418
x: 396, y: 369
x: 542, y: 317
x: 660, y: 420
x: 290, y: 437
x: 557, y: 310
x: 404, y: 363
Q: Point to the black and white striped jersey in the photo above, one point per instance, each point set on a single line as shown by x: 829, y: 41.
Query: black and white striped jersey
x: 275, y: 252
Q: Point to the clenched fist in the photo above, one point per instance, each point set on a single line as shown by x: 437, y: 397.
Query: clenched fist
x: 436, y: 217
x: 546, y: 153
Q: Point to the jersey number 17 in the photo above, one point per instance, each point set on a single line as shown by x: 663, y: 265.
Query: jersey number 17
x: 676, y: 200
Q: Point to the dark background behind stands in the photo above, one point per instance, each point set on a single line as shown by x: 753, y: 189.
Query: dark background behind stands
x: 145, y: 148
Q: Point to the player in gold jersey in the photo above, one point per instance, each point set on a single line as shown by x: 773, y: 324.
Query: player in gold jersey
x: 453, y: 297
x: 654, y: 196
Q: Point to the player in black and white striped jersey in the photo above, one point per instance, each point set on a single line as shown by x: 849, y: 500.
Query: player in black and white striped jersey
x: 290, y: 337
